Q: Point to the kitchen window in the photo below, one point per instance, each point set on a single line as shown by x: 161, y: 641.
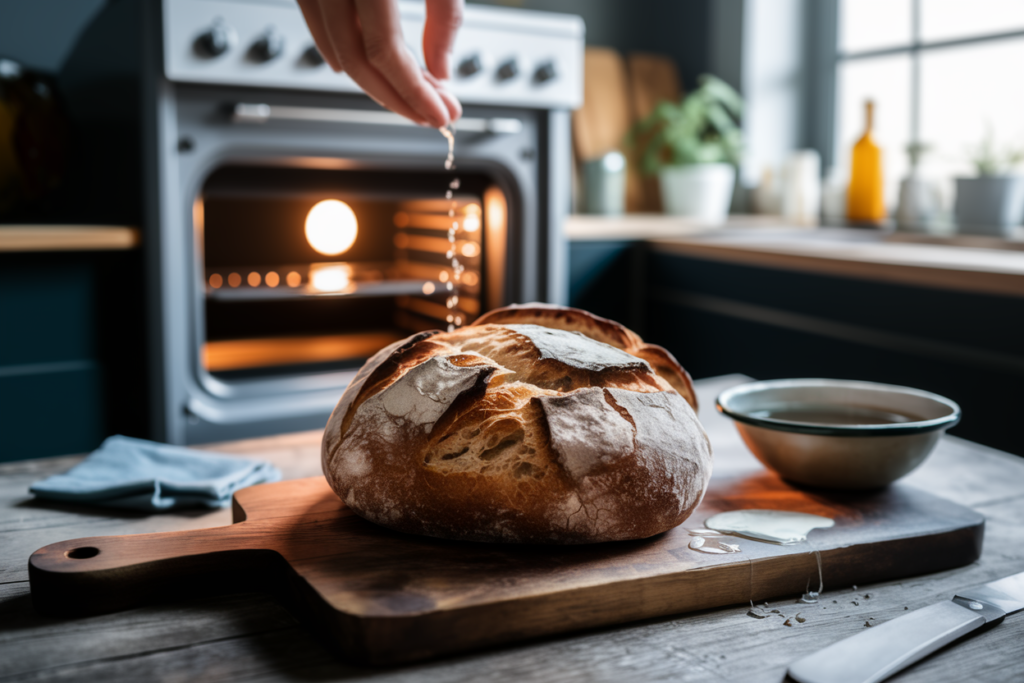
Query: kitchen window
x: 943, y: 73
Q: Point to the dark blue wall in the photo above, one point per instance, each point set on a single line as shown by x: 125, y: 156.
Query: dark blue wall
x: 41, y: 33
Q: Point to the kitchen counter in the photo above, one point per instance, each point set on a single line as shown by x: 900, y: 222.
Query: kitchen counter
x: 250, y: 635
x: 31, y: 238
x: 982, y: 265
x: 861, y: 254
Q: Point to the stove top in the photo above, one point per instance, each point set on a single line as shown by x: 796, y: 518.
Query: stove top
x: 503, y: 56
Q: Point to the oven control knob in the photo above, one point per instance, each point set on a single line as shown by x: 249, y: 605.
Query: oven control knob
x: 508, y: 70
x: 267, y: 47
x: 470, y: 66
x: 215, y: 41
x: 544, y: 73
x: 312, y: 56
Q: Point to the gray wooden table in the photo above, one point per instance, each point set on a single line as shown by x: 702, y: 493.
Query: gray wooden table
x: 250, y: 636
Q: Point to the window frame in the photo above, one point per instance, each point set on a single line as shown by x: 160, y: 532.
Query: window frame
x: 824, y: 27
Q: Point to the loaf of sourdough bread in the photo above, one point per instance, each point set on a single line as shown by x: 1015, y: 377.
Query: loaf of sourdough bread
x: 536, y: 424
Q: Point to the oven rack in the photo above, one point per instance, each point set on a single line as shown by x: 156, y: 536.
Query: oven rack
x: 354, y: 290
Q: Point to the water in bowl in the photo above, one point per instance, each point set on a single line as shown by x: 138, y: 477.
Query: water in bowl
x: 833, y: 415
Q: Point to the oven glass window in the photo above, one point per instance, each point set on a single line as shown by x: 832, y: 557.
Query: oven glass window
x: 311, y: 270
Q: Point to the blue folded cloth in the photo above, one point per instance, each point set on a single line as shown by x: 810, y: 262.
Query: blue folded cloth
x: 144, y: 475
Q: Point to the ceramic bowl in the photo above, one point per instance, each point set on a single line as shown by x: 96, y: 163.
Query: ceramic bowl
x: 837, y: 433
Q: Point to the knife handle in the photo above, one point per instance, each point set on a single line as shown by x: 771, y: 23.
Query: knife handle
x: 877, y: 653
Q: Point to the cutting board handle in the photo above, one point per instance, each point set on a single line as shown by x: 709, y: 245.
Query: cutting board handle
x: 109, y: 573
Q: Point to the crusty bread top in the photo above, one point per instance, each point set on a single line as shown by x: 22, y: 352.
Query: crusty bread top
x: 540, y: 357
x: 563, y: 318
x: 601, y: 329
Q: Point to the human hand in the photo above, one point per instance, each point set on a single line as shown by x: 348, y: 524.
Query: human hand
x: 364, y: 39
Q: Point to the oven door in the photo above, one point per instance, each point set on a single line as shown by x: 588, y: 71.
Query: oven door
x: 262, y: 326
x: 309, y: 271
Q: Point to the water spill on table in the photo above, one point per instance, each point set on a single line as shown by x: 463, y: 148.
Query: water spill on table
x: 781, y: 527
x: 709, y: 541
x: 775, y: 527
x: 713, y: 546
x: 811, y: 597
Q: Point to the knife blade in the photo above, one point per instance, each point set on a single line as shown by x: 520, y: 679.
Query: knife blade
x: 877, y: 653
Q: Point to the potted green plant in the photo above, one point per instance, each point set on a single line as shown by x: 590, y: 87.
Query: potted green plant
x: 693, y: 146
x: 993, y: 202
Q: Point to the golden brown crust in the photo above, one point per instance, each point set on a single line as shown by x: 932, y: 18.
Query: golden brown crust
x: 601, y: 329
x: 666, y: 365
x: 519, y: 432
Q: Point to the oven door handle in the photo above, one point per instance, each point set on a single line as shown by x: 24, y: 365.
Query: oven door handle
x: 248, y: 112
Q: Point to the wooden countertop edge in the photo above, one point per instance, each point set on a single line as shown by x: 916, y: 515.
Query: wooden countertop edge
x: 36, y: 238
x: 935, y: 276
x: 644, y: 226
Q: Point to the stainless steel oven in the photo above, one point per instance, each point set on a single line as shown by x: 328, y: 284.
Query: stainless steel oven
x: 240, y: 155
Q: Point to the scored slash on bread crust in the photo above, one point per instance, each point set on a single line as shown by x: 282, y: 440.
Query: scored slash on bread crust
x: 549, y: 427
x: 601, y: 329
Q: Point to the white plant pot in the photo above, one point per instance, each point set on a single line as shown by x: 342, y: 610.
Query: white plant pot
x: 990, y: 205
x: 699, y: 191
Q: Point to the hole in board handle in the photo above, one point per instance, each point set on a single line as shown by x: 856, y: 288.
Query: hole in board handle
x: 82, y: 553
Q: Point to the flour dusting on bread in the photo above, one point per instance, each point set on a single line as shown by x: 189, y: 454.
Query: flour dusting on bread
x: 664, y: 441
x: 586, y: 431
x: 424, y: 393
x: 576, y: 349
x: 410, y: 405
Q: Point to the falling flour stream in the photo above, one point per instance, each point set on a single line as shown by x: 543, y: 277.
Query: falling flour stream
x: 454, y: 319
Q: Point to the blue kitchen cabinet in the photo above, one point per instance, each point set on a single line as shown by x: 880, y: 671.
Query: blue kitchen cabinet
x: 72, y: 355
x: 51, y: 387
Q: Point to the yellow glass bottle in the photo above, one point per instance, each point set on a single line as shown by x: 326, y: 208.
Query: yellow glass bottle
x: 864, y: 200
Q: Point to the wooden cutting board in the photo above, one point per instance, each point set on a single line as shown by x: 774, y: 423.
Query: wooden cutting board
x: 600, y: 125
x: 652, y: 79
x: 385, y: 597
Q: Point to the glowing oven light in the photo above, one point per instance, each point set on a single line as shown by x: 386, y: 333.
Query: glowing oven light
x: 331, y: 227
x: 330, y: 278
x: 471, y: 222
